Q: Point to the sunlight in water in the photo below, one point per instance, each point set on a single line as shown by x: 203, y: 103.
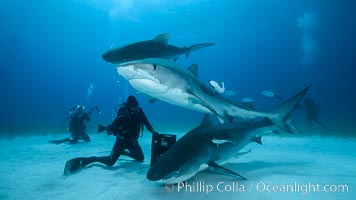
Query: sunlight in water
x: 134, y: 10
x: 309, y: 46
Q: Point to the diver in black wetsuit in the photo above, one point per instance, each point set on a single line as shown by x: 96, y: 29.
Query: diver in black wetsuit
x: 126, y: 127
x: 311, y: 108
x: 312, y: 111
x: 77, y: 125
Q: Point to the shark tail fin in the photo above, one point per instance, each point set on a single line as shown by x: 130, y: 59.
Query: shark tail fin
x: 281, y: 111
x: 197, y: 47
x: 101, y: 128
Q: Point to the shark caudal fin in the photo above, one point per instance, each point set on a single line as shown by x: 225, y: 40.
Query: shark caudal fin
x: 102, y: 128
x: 197, y: 47
x: 281, y: 111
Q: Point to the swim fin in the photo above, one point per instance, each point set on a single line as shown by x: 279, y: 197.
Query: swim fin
x: 60, y: 141
x: 72, y: 166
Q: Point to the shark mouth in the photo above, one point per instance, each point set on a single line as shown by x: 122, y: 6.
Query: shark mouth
x: 147, y: 86
x: 178, y: 176
x: 131, y: 72
x: 141, y: 80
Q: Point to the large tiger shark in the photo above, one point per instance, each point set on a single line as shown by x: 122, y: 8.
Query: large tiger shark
x: 158, y: 47
x: 165, y: 80
x: 210, y: 145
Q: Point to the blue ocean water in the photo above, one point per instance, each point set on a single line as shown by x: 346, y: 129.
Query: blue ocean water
x: 51, y: 55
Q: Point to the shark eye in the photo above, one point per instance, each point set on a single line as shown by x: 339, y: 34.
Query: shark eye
x: 154, y: 67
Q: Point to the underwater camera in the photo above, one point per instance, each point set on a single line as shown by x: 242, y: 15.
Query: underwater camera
x: 160, y: 144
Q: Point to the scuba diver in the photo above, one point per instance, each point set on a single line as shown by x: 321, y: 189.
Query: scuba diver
x: 311, y: 108
x: 126, y: 127
x: 312, y: 111
x: 77, y: 125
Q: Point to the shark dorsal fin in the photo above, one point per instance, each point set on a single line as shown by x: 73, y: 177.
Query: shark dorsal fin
x: 206, y: 121
x: 152, y: 100
x: 162, y: 38
x: 193, y: 69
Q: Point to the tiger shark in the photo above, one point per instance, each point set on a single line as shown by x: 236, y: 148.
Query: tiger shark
x: 158, y: 47
x: 210, y: 145
x: 165, y: 80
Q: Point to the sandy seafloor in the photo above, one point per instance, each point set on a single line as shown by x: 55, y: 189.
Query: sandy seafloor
x: 309, y: 167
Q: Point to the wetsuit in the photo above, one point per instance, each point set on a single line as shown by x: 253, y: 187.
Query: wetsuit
x: 77, y: 127
x: 126, y: 127
x: 312, y: 111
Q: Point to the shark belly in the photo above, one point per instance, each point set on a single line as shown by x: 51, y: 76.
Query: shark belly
x: 175, y: 96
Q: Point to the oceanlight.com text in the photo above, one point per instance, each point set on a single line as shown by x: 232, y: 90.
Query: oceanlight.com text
x: 261, y: 186
x: 301, y: 188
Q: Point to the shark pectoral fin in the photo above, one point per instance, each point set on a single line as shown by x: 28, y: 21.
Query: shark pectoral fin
x: 162, y: 38
x: 229, y: 117
x: 221, y: 120
x: 194, y: 68
x: 203, y: 103
x: 257, y: 139
x: 238, y: 154
x: 228, y: 171
x: 152, y: 100
x: 242, y: 153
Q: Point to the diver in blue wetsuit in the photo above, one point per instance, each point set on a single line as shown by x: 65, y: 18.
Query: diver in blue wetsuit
x: 126, y: 127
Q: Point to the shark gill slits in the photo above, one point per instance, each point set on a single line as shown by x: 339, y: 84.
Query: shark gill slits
x: 154, y: 67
